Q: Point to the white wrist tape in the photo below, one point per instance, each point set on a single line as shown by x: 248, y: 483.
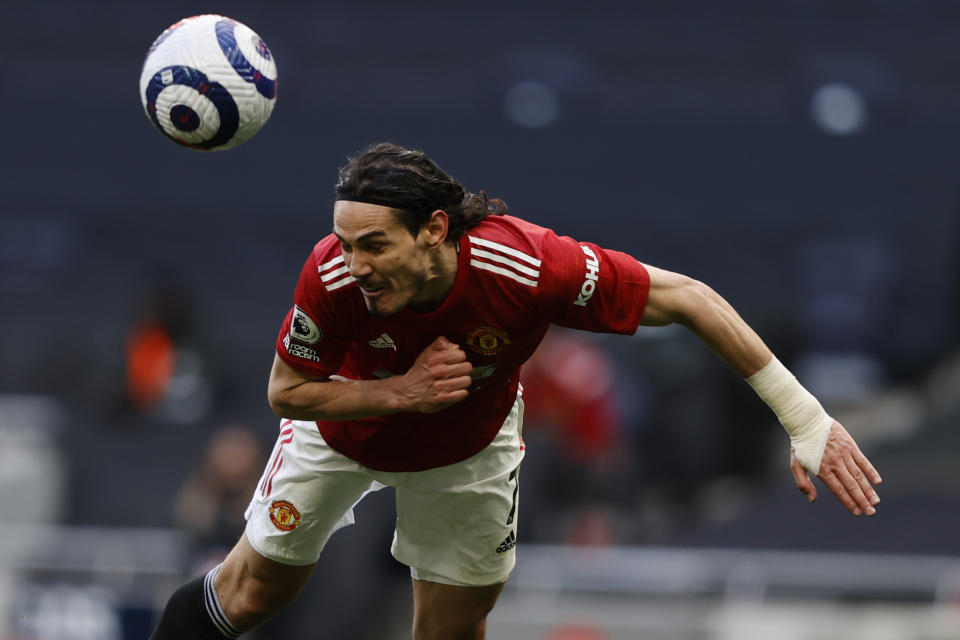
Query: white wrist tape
x: 798, y: 411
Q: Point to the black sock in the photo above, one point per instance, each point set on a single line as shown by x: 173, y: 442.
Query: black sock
x: 194, y: 613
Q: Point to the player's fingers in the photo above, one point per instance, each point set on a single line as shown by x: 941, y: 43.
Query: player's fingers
x: 450, y: 355
x: 865, y: 487
x: 433, y: 354
x: 853, y: 488
x: 451, y: 397
x: 864, y: 464
x: 447, y: 344
x: 833, y: 483
x: 440, y: 359
x: 443, y: 398
x: 454, y: 370
x: 802, y: 479
x: 454, y: 383
x: 836, y: 486
x: 456, y: 355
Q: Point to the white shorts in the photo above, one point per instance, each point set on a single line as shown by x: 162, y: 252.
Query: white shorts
x: 456, y: 524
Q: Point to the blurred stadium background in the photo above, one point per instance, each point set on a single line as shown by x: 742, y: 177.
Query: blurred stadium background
x: 801, y: 157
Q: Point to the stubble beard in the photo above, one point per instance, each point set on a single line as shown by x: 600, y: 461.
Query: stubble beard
x: 373, y: 309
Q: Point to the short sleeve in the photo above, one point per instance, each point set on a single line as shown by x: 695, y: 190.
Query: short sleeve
x: 588, y: 287
x: 309, y: 339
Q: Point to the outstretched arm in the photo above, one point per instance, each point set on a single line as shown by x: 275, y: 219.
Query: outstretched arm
x: 820, y: 444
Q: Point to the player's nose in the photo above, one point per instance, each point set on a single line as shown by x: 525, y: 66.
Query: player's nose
x: 359, y: 268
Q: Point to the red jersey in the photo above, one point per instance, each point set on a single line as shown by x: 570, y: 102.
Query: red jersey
x: 513, y: 280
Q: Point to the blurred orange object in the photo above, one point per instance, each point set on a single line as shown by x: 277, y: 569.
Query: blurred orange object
x: 576, y: 632
x: 150, y: 365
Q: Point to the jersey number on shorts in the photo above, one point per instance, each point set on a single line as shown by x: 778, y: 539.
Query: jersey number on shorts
x: 516, y: 480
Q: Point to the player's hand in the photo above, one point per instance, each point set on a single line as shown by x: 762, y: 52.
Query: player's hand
x: 438, y: 378
x: 845, y: 471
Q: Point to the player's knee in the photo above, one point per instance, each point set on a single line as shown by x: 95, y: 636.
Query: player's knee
x: 272, y: 595
x: 254, y: 600
x: 450, y: 629
x: 447, y: 625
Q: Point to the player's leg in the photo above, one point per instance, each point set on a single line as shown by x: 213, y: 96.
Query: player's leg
x: 253, y: 588
x: 307, y: 492
x: 456, y: 529
x: 448, y: 612
x: 244, y: 591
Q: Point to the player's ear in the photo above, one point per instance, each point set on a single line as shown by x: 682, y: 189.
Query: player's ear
x: 435, y: 231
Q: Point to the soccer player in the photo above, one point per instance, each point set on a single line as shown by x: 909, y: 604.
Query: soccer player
x: 398, y: 365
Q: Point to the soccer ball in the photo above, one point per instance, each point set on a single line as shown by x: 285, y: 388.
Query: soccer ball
x: 208, y: 83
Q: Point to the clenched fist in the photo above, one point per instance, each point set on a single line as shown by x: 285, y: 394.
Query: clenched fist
x: 438, y: 378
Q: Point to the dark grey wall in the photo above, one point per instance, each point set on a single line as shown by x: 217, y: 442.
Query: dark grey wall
x: 683, y: 135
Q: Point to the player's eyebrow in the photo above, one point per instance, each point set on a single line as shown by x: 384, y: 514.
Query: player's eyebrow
x: 367, y: 236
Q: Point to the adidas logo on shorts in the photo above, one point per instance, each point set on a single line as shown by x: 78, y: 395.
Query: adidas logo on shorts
x: 509, y: 543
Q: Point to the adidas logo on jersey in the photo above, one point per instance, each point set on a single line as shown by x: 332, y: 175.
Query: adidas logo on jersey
x: 383, y: 342
x: 508, y: 543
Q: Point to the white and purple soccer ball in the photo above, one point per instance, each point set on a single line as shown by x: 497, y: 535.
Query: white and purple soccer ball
x: 208, y: 83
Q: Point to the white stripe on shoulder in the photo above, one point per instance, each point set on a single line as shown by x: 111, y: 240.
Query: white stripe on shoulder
x: 327, y: 277
x: 502, y: 248
x: 331, y: 263
x: 504, y: 272
x: 333, y: 286
x: 480, y: 253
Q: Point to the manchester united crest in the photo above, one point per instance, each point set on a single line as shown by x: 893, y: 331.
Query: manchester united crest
x: 284, y: 515
x: 488, y: 341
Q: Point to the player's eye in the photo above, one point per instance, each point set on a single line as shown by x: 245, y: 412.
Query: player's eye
x: 375, y: 248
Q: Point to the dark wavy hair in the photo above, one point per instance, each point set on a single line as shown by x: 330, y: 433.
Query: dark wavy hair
x: 411, y: 183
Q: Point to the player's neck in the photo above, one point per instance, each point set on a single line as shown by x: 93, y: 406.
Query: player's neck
x: 441, y: 274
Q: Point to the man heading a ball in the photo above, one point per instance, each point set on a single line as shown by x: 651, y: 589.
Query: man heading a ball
x: 398, y: 365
